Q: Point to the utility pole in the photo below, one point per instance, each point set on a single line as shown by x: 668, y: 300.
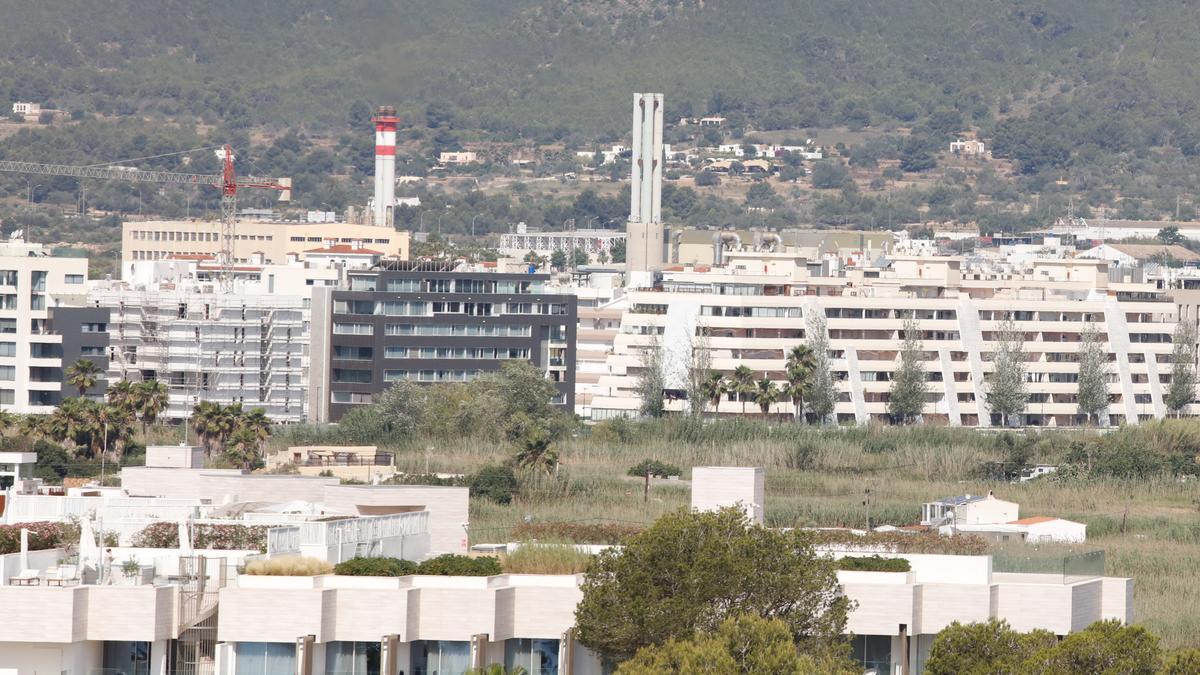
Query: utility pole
x: 867, y: 503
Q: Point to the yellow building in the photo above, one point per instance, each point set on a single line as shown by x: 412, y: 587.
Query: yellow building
x: 158, y: 239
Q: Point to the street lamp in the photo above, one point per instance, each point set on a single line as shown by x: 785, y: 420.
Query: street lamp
x: 473, y: 223
x: 421, y: 221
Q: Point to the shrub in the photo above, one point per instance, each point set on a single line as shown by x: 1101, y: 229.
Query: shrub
x: 42, y: 535
x: 873, y: 563
x: 288, y: 566
x: 579, y: 533
x: 375, y: 567
x: 218, y: 537
x: 547, y: 559
x: 494, y: 482
x: 452, y: 565
x: 899, y: 542
x: 653, y: 467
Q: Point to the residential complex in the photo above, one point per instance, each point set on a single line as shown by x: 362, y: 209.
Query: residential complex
x: 760, y: 304
x: 185, y: 610
x: 434, y: 322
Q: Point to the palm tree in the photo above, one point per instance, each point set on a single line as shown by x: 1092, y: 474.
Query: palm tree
x: 535, y: 451
x: 206, y: 422
x: 121, y: 394
x: 243, y: 448
x: 766, y: 394
x: 83, y: 375
x: 7, y: 421
x: 257, y: 423
x: 801, y: 362
x: 743, y: 384
x: 150, y: 399
x: 32, y: 425
x: 714, y: 389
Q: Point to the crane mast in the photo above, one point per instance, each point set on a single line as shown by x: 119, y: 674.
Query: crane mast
x: 228, y: 181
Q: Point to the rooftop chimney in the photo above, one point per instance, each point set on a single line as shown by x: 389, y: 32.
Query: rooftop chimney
x: 385, y: 166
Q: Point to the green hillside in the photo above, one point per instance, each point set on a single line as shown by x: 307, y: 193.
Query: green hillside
x: 536, y: 66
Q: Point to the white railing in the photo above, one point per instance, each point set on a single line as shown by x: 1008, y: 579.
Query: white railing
x: 283, y: 540
x: 363, y: 530
x: 31, y: 508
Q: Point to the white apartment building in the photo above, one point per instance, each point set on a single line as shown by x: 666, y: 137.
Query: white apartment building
x: 249, y: 346
x: 41, y: 334
x: 757, y: 307
x: 592, y: 242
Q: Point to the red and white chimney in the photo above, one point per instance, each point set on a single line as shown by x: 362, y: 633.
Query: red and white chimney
x: 385, y: 165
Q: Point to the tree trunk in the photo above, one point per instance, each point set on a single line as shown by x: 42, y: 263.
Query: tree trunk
x: 646, y: 489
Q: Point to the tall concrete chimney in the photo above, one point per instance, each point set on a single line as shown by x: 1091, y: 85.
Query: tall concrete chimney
x: 385, y: 166
x: 644, y: 230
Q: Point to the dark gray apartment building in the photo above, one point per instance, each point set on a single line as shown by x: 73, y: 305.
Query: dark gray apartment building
x: 84, y: 332
x: 434, y: 322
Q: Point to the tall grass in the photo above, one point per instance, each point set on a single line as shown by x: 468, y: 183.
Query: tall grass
x: 289, y: 566
x: 546, y: 559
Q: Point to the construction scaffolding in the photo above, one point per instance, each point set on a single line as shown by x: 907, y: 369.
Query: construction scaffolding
x: 226, y: 348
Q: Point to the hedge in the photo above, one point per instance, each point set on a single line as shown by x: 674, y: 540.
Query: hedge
x: 42, y: 535
x: 375, y: 567
x: 873, y: 563
x: 579, y: 533
x: 217, y: 537
x: 451, y: 565
x: 901, y: 542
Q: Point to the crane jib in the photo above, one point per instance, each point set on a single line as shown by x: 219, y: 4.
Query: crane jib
x: 136, y: 175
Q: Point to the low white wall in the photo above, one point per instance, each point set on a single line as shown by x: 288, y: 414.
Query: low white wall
x: 10, y: 564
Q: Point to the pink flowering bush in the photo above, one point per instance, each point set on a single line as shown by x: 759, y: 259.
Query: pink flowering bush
x: 42, y: 535
x: 217, y: 537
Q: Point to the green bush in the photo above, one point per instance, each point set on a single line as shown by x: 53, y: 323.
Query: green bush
x: 375, y: 567
x: 873, y: 563
x: 494, y: 482
x: 653, y: 467
x: 579, y: 533
x: 452, y: 565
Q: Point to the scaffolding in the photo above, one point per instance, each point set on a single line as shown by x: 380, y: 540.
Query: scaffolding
x: 195, y: 651
x: 250, y: 349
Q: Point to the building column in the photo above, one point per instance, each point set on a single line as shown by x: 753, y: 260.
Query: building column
x: 158, y: 657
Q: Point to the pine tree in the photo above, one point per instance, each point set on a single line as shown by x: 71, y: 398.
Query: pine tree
x: 1183, y: 367
x: 909, y: 389
x: 822, y: 394
x: 1092, y: 391
x: 1007, y: 393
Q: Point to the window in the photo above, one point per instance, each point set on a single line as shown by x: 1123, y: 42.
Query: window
x: 265, y: 658
x: 354, y: 307
x: 130, y: 658
x: 8, y: 396
x: 91, y: 328
x: 351, y: 397
x: 39, y: 281
x: 403, y: 285
x: 92, y: 351
x: 437, y: 285
x: 352, y: 658
x: 8, y: 277
x: 395, y: 353
x: 398, y: 329
x: 353, y: 353
x: 37, y: 301
x: 8, y: 301
x: 8, y: 349
x: 362, y: 283
x: 438, y: 656
x: 353, y: 329
x: 8, y: 373
x: 874, y: 652
x: 537, y: 657
x: 351, y: 376
x: 43, y: 350
x: 402, y: 308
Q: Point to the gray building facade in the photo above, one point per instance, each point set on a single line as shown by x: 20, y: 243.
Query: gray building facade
x: 423, y: 322
x: 84, y: 332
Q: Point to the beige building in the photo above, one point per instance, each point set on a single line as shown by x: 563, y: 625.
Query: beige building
x: 159, y: 239
x: 761, y: 304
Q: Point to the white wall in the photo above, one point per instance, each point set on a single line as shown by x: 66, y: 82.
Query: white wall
x: 715, y: 487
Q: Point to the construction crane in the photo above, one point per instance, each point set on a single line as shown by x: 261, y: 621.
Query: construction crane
x: 227, y: 181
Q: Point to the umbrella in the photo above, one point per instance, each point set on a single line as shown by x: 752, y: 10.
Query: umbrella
x: 89, y: 551
x: 185, y: 541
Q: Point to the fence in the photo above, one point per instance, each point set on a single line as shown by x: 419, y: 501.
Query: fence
x: 402, y: 535
x: 1066, y: 565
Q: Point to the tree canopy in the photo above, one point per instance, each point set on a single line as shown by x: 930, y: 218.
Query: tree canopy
x: 689, y: 572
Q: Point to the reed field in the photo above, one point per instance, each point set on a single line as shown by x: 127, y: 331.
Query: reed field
x: 1149, y: 528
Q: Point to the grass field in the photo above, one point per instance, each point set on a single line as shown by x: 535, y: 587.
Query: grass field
x: 1149, y: 529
